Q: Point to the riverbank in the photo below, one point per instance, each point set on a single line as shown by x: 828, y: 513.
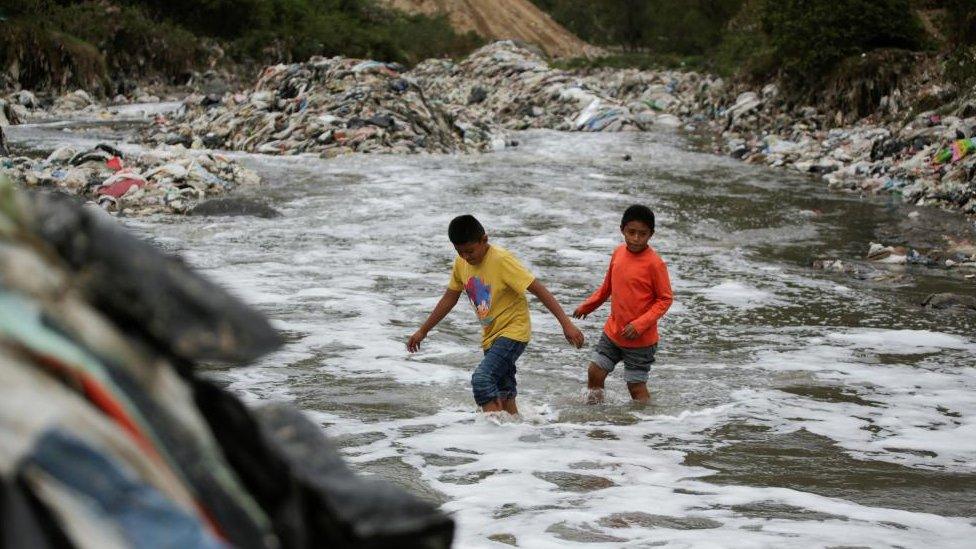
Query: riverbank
x: 924, y: 157
x: 338, y: 106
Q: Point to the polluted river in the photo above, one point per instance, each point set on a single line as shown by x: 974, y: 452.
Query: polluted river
x: 790, y: 406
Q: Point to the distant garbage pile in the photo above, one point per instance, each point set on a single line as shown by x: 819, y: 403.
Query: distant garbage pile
x: 668, y: 97
x: 112, y: 438
x: 17, y: 107
x: 339, y: 105
x: 24, y: 107
x: 508, y: 84
x: 927, y: 159
x: 161, y: 180
x: 325, y: 106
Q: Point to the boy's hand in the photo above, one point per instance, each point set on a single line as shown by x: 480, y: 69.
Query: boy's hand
x: 578, y: 313
x: 573, y: 335
x: 413, y: 344
x: 629, y: 332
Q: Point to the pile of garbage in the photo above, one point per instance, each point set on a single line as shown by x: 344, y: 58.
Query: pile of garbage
x: 325, y: 106
x: 16, y: 107
x: 675, y: 97
x: 508, y: 84
x: 162, y: 180
x: 927, y: 159
x: 24, y: 106
x: 340, y: 105
x: 111, y: 438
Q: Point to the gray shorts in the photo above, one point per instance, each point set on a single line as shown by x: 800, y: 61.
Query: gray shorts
x: 637, y: 360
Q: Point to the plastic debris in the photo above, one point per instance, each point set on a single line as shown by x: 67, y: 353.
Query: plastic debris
x: 162, y: 180
x: 325, y: 106
x: 955, y: 152
x: 339, y: 105
x: 507, y: 84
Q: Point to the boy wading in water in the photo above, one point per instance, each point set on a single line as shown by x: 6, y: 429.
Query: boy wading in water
x: 639, y: 289
x: 495, y: 282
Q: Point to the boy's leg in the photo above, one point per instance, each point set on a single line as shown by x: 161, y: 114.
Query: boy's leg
x: 605, y: 357
x: 507, y: 386
x: 638, y: 392
x: 508, y: 404
x: 637, y: 366
x: 484, y: 385
x: 493, y: 406
x: 595, y: 378
x: 493, y: 381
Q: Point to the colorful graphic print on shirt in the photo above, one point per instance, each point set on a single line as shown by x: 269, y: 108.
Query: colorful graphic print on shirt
x: 480, y: 295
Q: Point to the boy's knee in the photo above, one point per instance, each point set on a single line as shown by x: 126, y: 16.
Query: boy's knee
x: 481, y: 377
x: 596, y: 373
x: 483, y: 386
x: 638, y: 391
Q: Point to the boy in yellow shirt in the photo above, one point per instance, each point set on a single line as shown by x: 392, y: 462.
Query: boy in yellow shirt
x: 496, y: 283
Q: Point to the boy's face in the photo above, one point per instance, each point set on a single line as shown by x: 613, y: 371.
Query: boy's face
x: 473, y: 252
x: 636, y: 234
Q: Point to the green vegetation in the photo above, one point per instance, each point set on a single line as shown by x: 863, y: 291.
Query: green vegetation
x: 60, y: 44
x: 960, y: 64
x: 960, y: 20
x: 297, y: 29
x: 637, y: 60
x: 676, y: 27
x: 809, y: 37
x: 801, y: 40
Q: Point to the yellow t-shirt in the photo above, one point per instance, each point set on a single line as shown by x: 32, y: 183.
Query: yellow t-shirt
x: 496, y: 289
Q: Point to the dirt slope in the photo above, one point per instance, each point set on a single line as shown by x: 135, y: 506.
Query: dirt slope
x: 504, y: 19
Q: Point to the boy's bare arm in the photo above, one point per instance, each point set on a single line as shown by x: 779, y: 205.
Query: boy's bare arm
x: 444, y: 306
x: 572, y: 333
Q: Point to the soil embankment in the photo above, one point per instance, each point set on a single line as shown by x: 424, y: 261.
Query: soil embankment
x: 504, y: 20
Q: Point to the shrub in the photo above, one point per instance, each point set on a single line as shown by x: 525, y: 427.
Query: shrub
x: 132, y: 43
x: 35, y: 57
x: 961, y: 22
x: 809, y: 37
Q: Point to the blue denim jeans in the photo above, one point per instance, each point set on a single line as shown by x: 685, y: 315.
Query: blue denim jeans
x: 495, y: 376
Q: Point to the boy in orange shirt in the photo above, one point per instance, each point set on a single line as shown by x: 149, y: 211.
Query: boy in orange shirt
x: 637, y: 283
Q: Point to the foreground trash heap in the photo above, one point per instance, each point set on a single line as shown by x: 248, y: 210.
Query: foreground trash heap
x: 339, y: 105
x: 160, y: 180
x: 112, y: 438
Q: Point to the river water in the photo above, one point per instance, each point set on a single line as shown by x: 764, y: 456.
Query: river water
x: 790, y: 407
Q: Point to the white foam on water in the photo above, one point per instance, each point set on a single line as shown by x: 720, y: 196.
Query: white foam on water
x: 361, y: 256
x: 738, y: 294
x: 926, y: 408
x: 903, y: 341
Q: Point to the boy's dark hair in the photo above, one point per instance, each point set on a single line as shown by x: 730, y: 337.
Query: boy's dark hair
x: 465, y: 229
x: 640, y: 213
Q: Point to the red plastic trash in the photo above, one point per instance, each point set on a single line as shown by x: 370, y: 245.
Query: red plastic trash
x: 120, y: 187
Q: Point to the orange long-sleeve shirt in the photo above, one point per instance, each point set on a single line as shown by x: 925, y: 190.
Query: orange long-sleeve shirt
x: 640, y: 293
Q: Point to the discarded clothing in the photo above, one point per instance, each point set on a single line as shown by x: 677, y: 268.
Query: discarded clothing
x: 109, y: 437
